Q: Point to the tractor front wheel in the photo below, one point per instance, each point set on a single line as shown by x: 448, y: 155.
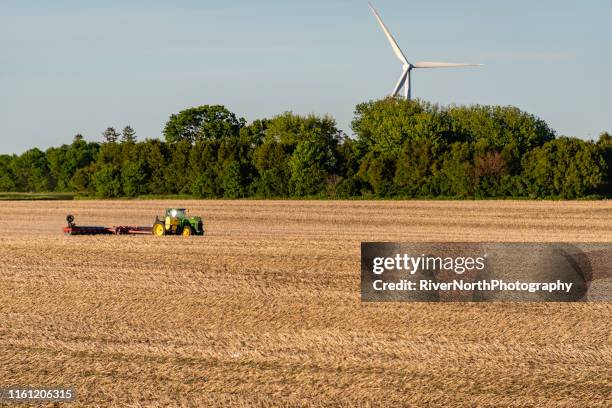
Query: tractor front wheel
x: 159, y: 229
x: 187, y: 231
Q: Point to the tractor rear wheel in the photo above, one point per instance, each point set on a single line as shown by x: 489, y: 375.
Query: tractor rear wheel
x: 187, y: 232
x: 158, y: 229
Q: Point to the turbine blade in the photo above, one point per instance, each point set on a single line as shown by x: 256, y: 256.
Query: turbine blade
x: 426, y: 64
x: 396, y: 48
x: 400, y: 82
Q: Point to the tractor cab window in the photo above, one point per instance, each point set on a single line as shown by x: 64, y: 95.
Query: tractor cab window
x: 175, y: 213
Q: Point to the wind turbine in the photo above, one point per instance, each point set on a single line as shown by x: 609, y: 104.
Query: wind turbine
x: 405, y: 79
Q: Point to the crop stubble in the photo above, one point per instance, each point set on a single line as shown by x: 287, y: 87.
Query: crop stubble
x: 265, y: 310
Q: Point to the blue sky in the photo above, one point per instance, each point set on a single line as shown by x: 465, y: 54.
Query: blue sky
x: 71, y: 67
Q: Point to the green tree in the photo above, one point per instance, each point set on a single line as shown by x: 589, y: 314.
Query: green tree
x: 385, y: 125
x: 7, y: 176
x: 495, y: 127
x: 208, y: 122
x: 234, y: 183
x: 235, y: 158
x: 128, y: 135
x: 81, y: 181
x: 566, y: 168
x: 455, y: 176
x: 132, y: 179
x: 280, y: 172
x: 107, y: 182
x: 605, y: 138
x: 401, y: 148
x: 605, y: 147
x: 154, y: 155
x: 348, y: 156
x: 348, y: 183
x: 255, y: 131
x: 61, y: 170
x: 290, y: 129
x: 203, y: 164
x: 415, y: 167
x: 378, y: 170
x: 177, y: 170
x: 31, y: 171
x: 110, y: 135
x: 271, y: 161
x: 490, y: 175
x: 310, y: 166
x: 64, y: 161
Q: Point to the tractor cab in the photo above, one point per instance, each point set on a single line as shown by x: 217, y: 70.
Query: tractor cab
x: 174, y: 219
x: 176, y: 222
x: 179, y: 213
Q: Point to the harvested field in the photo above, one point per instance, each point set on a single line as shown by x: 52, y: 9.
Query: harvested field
x: 265, y: 310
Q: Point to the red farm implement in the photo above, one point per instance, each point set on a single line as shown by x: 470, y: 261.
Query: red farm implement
x: 73, y: 229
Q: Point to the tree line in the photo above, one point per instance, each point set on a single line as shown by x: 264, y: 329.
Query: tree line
x: 400, y: 149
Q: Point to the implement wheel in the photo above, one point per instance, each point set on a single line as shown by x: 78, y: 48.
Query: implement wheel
x: 159, y: 230
x: 187, y: 232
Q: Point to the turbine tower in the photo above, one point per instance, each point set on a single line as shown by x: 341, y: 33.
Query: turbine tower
x: 407, y: 67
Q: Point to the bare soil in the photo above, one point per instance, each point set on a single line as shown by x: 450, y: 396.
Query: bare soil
x: 265, y: 309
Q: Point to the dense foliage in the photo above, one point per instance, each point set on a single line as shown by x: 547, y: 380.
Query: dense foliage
x: 400, y: 149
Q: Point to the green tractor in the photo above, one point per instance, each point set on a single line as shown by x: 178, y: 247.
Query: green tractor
x: 176, y: 222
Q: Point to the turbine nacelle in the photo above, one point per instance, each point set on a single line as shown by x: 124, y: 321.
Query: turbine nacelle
x: 405, y: 80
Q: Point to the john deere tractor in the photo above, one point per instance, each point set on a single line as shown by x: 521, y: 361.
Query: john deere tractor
x: 176, y: 222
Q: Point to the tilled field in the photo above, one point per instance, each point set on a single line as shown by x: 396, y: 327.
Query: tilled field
x: 265, y: 310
